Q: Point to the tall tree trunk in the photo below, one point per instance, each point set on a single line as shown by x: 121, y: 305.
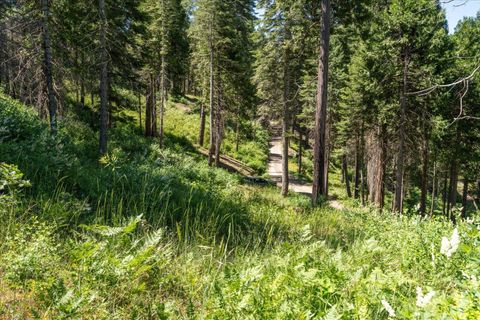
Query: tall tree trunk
x: 320, y: 147
x: 148, y: 112
x: 464, y: 197
x: 398, y: 204
x: 434, y: 188
x: 103, y: 78
x: 201, y: 133
x: 139, y: 112
x: 82, y: 93
x: 347, y: 179
x: 285, y: 119
x: 211, y: 148
x: 363, y: 168
x: 444, y: 194
x: 452, y: 197
x: 357, y: 168
x: 3, y: 58
x: 376, y: 154
x: 237, y: 130
x: 163, y: 92
x: 47, y: 67
x: 153, y: 84
x: 300, y: 151
x: 285, y: 143
x: 219, y: 123
x: 478, y: 189
x: 424, y: 182
x: 362, y: 186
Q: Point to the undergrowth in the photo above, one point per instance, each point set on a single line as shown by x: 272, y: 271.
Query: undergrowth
x: 145, y: 233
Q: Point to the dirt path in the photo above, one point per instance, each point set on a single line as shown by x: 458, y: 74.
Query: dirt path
x: 275, y: 169
x: 295, y: 185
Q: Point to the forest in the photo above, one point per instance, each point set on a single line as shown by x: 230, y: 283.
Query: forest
x: 226, y: 159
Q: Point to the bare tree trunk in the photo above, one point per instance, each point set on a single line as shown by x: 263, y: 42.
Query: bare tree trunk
x: 452, y: 198
x: 211, y: 149
x: 444, y: 195
x: 424, y: 186
x: 357, y: 169
x: 347, y: 179
x: 103, y: 78
x: 201, y: 134
x: 398, y: 204
x: 140, y: 112
x: 219, y: 124
x: 153, y: 83
x: 320, y: 148
x: 362, y: 186
x: 163, y: 92
x: 3, y: 57
x: 376, y: 166
x: 434, y: 188
x: 464, y: 197
x: 478, y: 189
x: 237, y: 130
x: 148, y: 112
x: 285, y: 120
x: 300, y: 150
x: 47, y: 67
x: 285, y: 143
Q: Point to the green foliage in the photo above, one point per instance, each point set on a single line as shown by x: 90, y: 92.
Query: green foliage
x: 32, y: 255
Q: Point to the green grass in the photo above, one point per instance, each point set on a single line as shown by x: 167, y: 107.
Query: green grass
x: 184, y: 127
x: 145, y: 233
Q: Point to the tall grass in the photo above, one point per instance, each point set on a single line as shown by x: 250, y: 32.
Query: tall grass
x: 144, y: 233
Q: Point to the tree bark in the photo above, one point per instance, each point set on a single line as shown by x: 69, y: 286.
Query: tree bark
x: 434, y: 188
x: 478, y: 189
x: 47, y: 67
x: 464, y: 197
x: 357, y: 169
x: 424, y: 182
x: 211, y: 148
x: 163, y: 92
x: 347, y: 179
x: 219, y: 124
x: 103, y: 79
x: 376, y: 154
x: 285, y: 119
x: 444, y: 195
x: 320, y: 148
x: 300, y: 151
x: 153, y: 84
x: 148, y: 112
x: 139, y: 112
x: 452, y: 197
x: 237, y: 130
x: 398, y: 204
x: 201, y: 133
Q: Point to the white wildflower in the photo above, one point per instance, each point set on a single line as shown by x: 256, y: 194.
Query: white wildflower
x: 388, y: 307
x: 449, y: 246
x: 472, y: 278
x: 423, y: 300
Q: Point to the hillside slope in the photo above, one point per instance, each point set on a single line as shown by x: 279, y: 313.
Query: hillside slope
x: 144, y: 233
